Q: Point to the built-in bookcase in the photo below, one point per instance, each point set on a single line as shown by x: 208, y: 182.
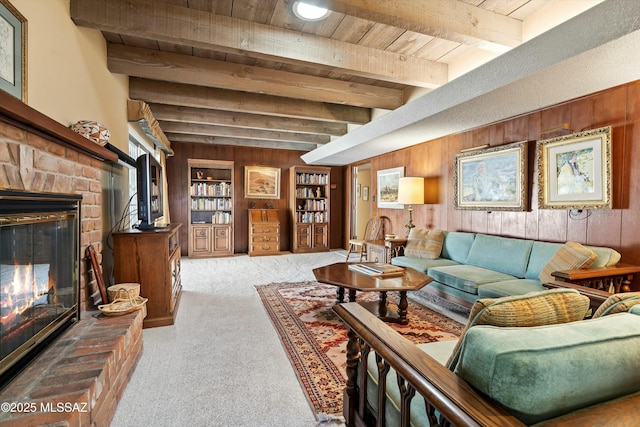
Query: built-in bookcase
x: 309, y: 205
x: 210, y: 207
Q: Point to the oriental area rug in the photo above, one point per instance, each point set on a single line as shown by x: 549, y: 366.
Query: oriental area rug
x: 315, y: 339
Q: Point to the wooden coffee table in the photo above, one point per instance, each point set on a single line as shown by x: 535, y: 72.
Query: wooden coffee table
x: 339, y: 275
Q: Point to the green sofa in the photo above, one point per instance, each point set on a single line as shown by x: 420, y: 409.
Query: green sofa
x: 471, y: 266
x: 560, y: 371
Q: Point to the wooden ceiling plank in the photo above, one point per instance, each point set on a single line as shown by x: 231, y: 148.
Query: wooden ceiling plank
x: 180, y: 25
x: 167, y: 66
x: 448, y: 19
x: 175, y: 113
x: 239, y: 132
x: 151, y: 91
x: 351, y: 29
x: 220, y: 140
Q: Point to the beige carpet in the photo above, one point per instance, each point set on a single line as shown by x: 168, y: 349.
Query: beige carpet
x: 315, y: 339
x: 222, y: 363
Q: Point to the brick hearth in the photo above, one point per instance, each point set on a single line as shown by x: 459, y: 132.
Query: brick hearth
x: 89, y: 364
x: 79, y: 380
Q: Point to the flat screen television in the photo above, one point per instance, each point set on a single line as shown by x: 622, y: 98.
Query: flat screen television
x: 150, y: 201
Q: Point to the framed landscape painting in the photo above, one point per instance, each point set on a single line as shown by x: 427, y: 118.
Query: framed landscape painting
x: 492, y: 179
x: 261, y: 182
x: 388, y: 180
x: 574, y: 171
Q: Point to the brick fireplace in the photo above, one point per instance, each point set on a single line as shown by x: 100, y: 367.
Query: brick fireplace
x: 80, y: 377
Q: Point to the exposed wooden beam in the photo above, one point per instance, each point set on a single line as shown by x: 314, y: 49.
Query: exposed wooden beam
x: 183, y: 26
x: 203, y: 139
x: 446, y: 19
x: 237, y: 132
x: 153, y: 91
x: 173, y: 67
x: 175, y: 113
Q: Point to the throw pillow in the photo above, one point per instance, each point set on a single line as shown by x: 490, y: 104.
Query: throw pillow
x: 423, y: 243
x: 539, y: 308
x: 618, y: 303
x: 570, y: 256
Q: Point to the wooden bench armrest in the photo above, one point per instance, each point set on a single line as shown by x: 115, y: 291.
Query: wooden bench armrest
x: 612, y: 279
x: 445, y: 392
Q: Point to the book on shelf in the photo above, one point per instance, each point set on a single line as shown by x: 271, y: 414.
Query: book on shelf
x: 377, y: 269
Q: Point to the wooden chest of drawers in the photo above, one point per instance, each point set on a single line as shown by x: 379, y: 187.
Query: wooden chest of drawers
x: 264, y: 232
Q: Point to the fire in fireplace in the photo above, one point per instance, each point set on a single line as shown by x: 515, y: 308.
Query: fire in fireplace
x: 39, y: 274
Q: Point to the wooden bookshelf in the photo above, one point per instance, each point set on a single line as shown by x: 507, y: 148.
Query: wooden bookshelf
x: 310, y: 208
x: 211, y: 207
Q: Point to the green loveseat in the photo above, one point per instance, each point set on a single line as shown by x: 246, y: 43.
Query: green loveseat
x: 561, y: 370
x: 469, y: 266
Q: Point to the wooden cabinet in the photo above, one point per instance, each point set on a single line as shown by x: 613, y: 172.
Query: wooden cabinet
x: 210, y: 208
x: 264, y: 232
x: 309, y: 204
x: 152, y: 259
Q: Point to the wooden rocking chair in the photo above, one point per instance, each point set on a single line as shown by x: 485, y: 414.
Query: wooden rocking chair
x: 374, y: 230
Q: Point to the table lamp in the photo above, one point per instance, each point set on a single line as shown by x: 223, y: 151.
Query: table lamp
x: 411, y: 192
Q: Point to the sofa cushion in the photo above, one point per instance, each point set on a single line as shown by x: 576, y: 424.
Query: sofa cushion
x: 456, y: 245
x: 544, y: 372
x: 503, y: 254
x: 618, y: 303
x: 606, y: 257
x: 541, y: 253
x: 423, y: 243
x: 571, y: 256
x: 421, y: 264
x: 546, y: 307
x: 466, y: 277
x: 509, y: 287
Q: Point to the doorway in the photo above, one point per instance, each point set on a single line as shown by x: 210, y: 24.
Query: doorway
x: 361, y: 202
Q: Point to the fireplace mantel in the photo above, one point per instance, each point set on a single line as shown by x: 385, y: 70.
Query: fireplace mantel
x: 19, y: 114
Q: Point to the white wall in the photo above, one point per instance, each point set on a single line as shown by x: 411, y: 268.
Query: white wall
x: 67, y: 75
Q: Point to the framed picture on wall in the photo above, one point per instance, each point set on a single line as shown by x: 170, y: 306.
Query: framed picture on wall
x: 388, y: 180
x: 492, y: 179
x: 574, y: 171
x: 365, y: 193
x: 261, y: 182
x: 13, y: 51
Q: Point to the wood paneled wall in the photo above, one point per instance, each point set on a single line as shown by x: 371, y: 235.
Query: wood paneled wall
x: 618, y: 228
x: 177, y: 181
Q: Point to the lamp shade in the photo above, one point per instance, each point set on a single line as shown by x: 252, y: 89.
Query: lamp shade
x: 411, y: 190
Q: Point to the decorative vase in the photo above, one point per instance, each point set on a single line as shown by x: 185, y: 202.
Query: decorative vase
x: 93, y: 131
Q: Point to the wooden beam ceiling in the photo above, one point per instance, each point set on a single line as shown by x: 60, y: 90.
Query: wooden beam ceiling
x: 455, y: 21
x: 153, y: 91
x: 153, y: 64
x: 250, y: 71
x: 173, y: 24
x: 175, y: 113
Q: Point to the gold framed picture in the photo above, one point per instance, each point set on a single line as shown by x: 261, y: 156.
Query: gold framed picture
x: 261, y: 182
x: 574, y: 171
x: 494, y: 179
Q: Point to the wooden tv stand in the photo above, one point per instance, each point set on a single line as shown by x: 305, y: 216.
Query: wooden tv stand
x: 151, y: 258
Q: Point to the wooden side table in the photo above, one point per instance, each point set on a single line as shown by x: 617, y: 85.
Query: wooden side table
x: 395, y: 247
x: 383, y: 250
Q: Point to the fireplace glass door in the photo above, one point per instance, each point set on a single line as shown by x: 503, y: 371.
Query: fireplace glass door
x: 39, y: 271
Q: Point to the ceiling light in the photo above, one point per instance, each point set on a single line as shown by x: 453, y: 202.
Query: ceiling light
x: 309, y: 12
